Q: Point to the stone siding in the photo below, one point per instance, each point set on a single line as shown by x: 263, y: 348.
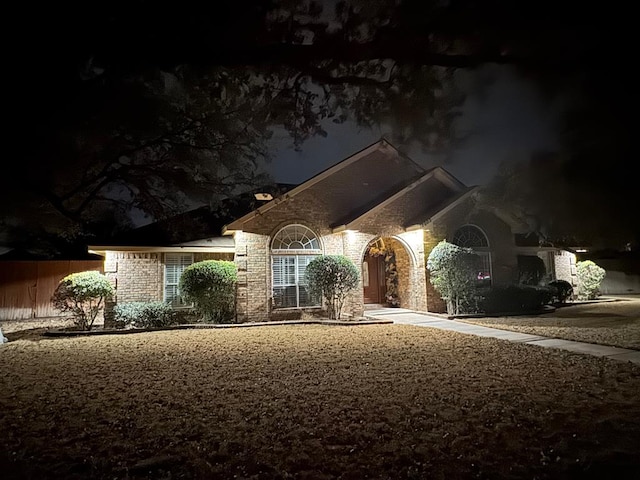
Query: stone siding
x: 565, y: 266
x: 435, y: 303
x: 139, y: 276
x: 255, y: 280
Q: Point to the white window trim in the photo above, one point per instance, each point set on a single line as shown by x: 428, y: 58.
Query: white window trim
x: 297, y: 254
x: 165, y: 283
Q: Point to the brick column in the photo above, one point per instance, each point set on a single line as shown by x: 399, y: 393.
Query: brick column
x: 435, y: 303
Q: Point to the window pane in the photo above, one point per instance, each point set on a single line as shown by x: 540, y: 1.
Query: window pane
x: 484, y: 268
x: 306, y: 300
x: 284, y: 297
x: 171, y: 294
x: 175, y: 264
x: 284, y: 270
x: 303, y: 261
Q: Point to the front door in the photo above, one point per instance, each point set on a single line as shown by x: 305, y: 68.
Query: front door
x: 373, y: 279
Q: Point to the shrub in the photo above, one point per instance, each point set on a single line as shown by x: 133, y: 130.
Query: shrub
x: 514, y: 298
x: 82, y: 294
x: 453, y: 273
x: 331, y: 277
x: 562, y: 290
x: 211, y: 286
x: 144, y: 314
x: 531, y: 270
x: 590, y: 277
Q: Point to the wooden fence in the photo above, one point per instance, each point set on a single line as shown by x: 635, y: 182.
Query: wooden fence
x: 26, y: 287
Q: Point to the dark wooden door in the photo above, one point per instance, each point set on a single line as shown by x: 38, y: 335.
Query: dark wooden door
x: 373, y: 279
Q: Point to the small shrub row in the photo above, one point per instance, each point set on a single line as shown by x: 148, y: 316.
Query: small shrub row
x: 513, y: 298
x: 144, y: 315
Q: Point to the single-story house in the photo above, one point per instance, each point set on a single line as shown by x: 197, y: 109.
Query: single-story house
x: 377, y: 207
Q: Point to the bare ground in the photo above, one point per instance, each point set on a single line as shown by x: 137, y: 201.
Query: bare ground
x: 608, y: 323
x: 313, y: 402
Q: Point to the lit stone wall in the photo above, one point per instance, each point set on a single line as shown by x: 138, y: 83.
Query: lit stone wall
x: 565, y: 265
x: 136, y: 277
x: 254, y: 276
x: 435, y: 304
x: 139, y: 276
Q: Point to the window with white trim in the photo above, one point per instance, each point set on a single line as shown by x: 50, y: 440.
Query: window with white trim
x: 174, y: 265
x: 470, y: 236
x: 292, y: 249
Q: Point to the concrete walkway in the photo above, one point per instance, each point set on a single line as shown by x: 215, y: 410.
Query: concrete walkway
x: 409, y: 317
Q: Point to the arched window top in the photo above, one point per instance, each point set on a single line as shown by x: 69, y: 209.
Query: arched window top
x: 295, y: 237
x: 470, y: 236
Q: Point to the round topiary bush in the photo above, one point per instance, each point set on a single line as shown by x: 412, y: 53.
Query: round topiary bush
x: 590, y: 277
x: 211, y: 286
x: 453, y: 273
x: 331, y: 277
x: 82, y: 294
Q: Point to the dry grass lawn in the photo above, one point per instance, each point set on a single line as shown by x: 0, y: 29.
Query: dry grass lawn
x: 608, y: 323
x: 313, y: 402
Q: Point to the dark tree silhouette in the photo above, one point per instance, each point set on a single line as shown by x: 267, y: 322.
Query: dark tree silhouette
x: 155, y: 107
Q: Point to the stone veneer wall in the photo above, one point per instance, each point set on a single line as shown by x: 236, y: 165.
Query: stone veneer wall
x: 139, y: 276
x: 565, y: 266
x: 435, y: 303
x: 136, y: 277
x: 354, y: 246
x: 255, y: 282
x: 252, y: 260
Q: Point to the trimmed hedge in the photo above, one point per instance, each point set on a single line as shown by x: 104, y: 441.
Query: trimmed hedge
x: 332, y: 277
x: 514, y: 298
x: 562, y: 290
x: 144, y: 314
x: 211, y: 286
x: 82, y: 294
x: 453, y: 273
x: 590, y: 277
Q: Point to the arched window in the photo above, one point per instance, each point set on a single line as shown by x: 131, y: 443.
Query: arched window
x: 295, y: 237
x: 292, y: 248
x: 470, y: 236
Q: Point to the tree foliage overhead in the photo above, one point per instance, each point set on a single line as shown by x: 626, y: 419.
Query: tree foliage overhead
x: 123, y: 105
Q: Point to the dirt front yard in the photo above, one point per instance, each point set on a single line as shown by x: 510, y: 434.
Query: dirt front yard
x: 614, y: 323
x: 313, y: 402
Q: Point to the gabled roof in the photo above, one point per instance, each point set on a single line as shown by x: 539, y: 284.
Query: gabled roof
x: 422, y: 183
x: 377, y: 186
x: 197, y: 228
x: 351, y: 186
x: 433, y: 214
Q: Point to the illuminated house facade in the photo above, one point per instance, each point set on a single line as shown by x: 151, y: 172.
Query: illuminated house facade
x: 377, y: 207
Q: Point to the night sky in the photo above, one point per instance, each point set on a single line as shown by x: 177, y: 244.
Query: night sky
x: 508, y: 120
